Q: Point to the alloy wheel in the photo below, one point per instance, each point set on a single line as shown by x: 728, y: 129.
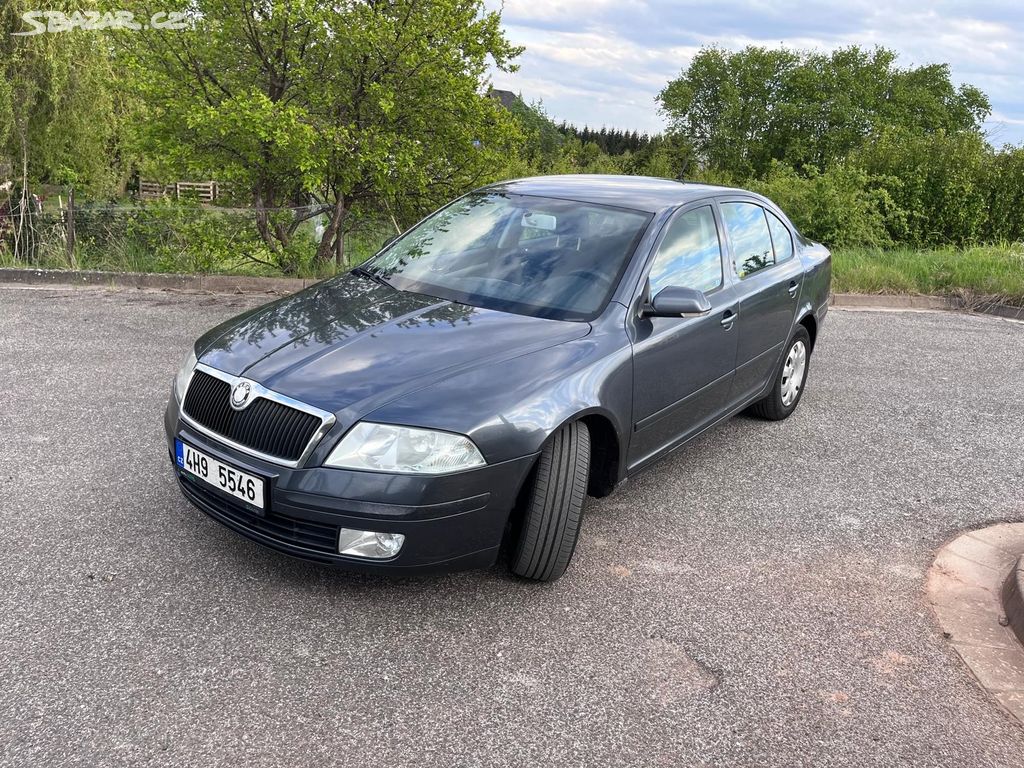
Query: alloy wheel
x: 793, y: 373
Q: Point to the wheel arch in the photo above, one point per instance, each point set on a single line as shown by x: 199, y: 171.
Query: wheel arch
x: 606, y: 449
x: 606, y: 460
x: 808, y: 321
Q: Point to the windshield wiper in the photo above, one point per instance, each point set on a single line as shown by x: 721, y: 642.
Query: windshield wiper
x: 364, y: 272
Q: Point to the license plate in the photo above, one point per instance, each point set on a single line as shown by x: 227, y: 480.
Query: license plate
x: 239, y: 484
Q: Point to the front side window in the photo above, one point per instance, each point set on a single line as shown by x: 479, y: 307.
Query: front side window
x: 748, y: 232
x: 530, y: 255
x: 690, y: 256
x: 781, y: 238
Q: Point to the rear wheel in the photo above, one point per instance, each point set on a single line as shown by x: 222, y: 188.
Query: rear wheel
x: 788, y: 387
x: 551, y: 522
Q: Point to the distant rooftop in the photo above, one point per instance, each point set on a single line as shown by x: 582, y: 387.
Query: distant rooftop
x: 507, y: 98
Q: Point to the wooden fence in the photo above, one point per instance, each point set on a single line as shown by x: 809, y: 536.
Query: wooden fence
x: 204, y: 191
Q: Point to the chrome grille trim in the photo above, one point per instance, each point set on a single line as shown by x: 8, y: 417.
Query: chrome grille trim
x: 327, y: 419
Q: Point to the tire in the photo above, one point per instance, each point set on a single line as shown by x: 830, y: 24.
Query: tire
x: 551, y: 523
x: 781, y: 401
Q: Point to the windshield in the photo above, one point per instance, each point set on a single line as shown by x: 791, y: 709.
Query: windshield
x: 530, y: 255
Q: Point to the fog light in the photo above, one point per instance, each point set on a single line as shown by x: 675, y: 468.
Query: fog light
x: 378, y: 546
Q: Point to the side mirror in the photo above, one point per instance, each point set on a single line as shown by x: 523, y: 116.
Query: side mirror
x: 676, y: 301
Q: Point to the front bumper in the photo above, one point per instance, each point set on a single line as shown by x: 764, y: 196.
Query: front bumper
x: 450, y: 522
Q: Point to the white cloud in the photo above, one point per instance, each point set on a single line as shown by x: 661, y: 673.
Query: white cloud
x: 602, y: 62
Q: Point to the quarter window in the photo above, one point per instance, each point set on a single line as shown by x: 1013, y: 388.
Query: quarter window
x: 690, y: 256
x: 781, y: 239
x: 748, y: 233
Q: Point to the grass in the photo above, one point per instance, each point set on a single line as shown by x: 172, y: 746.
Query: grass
x: 180, y: 249
x: 977, y: 275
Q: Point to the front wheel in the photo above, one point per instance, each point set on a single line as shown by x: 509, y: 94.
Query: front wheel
x: 788, y: 387
x: 554, y: 503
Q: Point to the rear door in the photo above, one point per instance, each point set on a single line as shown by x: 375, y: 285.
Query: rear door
x: 683, y: 366
x: 768, y: 282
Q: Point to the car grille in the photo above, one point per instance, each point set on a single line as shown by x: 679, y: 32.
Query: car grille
x: 289, y: 530
x: 265, y: 426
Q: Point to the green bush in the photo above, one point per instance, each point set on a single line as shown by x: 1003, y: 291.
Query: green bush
x: 842, y: 206
x: 160, y: 236
x: 1005, y: 196
x: 937, y: 180
x: 183, y: 237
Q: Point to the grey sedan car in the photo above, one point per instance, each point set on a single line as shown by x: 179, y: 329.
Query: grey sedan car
x: 455, y: 398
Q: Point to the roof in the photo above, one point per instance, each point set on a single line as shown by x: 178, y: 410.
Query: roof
x: 638, y: 192
x: 506, y: 98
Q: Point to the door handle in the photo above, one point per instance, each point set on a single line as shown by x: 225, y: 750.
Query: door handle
x: 794, y: 286
x: 729, y: 318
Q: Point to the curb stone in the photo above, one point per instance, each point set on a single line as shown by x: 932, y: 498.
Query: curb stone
x: 901, y: 301
x: 965, y: 586
x: 886, y: 301
x: 157, y: 281
x: 286, y: 285
x: 1013, y: 598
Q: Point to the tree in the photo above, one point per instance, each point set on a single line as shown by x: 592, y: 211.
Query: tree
x: 348, y: 104
x: 541, y: 138
x: 723, y: 104
x: 743, y: 110
x: 57, y: 113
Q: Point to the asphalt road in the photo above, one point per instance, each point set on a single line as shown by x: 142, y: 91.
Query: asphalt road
x: 757, y: 598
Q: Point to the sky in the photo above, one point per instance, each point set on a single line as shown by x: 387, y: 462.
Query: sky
x: 603, y: 62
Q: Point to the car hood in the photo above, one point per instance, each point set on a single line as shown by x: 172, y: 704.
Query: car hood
x: 350, y: 341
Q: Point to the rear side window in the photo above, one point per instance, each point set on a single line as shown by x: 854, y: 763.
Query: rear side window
x: 781, y: 239
x: 690, y: 256
x: 750, y: 238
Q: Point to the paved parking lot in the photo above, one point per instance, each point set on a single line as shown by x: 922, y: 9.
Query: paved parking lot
x: 756, y: 599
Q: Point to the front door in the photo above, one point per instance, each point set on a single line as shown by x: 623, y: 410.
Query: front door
x: 683, y: 366
x: 768, y: 290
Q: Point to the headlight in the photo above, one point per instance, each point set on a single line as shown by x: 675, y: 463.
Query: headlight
x: 181, y: 380
x: 387, y: 448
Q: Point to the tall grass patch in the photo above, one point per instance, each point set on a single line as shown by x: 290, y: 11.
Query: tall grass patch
x: 979, y: 273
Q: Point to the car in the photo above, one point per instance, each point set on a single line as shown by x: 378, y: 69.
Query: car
x: 453, y: 400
